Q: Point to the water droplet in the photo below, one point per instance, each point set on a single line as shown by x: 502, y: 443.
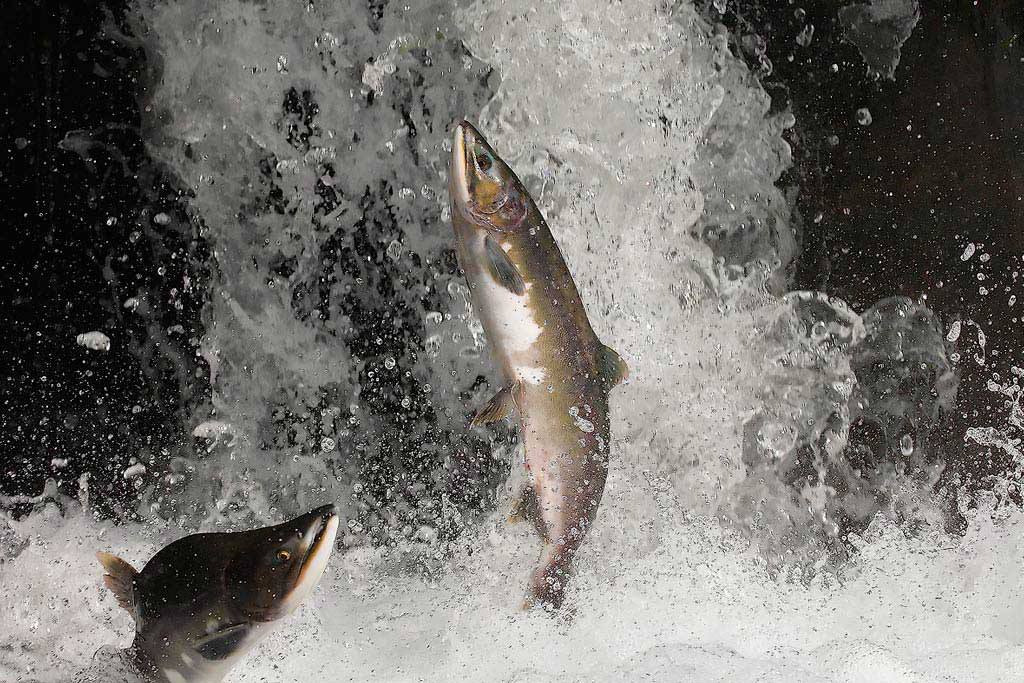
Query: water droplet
x: 906, y: 445
x: 389, y: 363
x: 394, y: 250
x: 327, y: 444
x: 968, y: 251
x: 805, y: 37
x: 95, y: 341
x: 432, y: 345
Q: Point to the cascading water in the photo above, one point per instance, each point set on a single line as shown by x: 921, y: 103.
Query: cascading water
x: 769, y: 512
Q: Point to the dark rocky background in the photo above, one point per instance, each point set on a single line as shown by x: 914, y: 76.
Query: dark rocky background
x: 889, y: 208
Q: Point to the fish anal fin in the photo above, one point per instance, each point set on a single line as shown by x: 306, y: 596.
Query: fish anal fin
x: 501, y: 405
x: 611, y: 367
x: 524, y: 509
x: 502, y: 269
x: 120, y: 579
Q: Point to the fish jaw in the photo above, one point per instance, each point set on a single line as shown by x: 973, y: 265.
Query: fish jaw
x: 458, y: 180
x: 320, y: 541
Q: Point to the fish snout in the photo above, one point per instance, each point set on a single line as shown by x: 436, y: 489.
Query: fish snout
x: 326, y: 511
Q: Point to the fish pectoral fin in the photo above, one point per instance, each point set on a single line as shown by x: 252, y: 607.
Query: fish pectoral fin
x: 611, y: 366
x: 221, y: 644
x: 502, y: 269
x: 500, y: 406
x: 120, y: 579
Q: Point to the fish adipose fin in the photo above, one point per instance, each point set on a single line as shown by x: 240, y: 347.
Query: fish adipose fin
x: 611, y: 366
x: 502, y: 269
x: 502, y: 405
x: 119, y: 578
x: 223, y: 643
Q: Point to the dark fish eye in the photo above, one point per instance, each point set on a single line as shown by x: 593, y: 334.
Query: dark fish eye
x: 483, y: 161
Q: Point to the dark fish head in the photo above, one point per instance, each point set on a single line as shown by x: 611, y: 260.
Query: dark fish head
x: 274, y: 569
x: 204, y: 600
x: 484, y: 190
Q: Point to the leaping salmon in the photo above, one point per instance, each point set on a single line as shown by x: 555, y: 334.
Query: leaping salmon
x: 557, y: 372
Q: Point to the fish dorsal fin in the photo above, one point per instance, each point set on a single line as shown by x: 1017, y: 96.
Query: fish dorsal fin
x: 501, y: 405
x: 120, y: 579
x: 611, y: 367
x: 502, y: 269
x: 222, y: 644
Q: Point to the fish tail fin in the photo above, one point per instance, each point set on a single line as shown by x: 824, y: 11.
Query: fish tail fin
x: 120, y: 579
x: 611, y: 367
x: 550, y: 579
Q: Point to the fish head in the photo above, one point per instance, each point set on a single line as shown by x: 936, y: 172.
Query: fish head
x: 275, y: 568
x: 484, y: 190
x: 204, y: 600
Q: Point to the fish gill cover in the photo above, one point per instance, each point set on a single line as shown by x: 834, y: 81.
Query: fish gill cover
x: 760, y: 429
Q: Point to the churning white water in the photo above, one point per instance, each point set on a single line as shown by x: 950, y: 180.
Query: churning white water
x: 650, y: 148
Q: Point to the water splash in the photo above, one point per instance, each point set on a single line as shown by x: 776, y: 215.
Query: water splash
x: 879, y: 28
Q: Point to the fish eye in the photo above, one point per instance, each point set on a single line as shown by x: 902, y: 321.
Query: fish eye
x: 283, y: 555
x: 483, y: 161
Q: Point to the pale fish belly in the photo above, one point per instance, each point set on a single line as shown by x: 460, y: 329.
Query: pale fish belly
x: 512, y: 329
